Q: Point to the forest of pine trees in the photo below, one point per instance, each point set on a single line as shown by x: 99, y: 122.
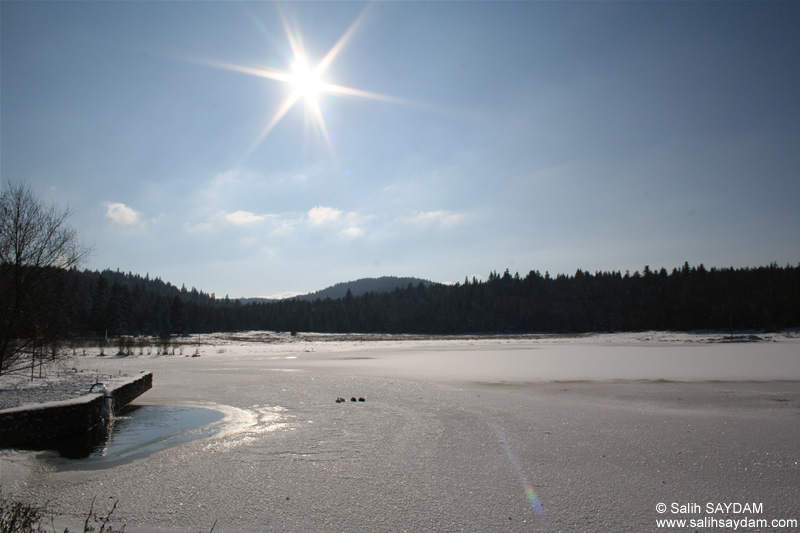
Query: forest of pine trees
x: 688, y: 298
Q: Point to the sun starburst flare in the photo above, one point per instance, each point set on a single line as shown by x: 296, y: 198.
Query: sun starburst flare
x: 307, y: 81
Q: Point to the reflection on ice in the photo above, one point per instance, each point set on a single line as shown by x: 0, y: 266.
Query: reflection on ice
x: 241, y: 426
x: 140, y: 431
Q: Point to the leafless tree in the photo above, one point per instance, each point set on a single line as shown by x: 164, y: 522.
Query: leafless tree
x: 36, y: 246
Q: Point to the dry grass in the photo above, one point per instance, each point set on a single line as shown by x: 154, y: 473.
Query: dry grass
x: 23, y: 517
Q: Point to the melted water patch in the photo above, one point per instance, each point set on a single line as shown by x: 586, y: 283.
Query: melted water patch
x: 139, y: 431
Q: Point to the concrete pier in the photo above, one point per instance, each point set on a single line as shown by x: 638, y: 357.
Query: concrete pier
x: 43, y: 425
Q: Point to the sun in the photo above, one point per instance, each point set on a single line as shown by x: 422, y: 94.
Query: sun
x: 306, y: 81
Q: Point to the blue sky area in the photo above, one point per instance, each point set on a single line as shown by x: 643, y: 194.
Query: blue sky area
x: 441, y: 140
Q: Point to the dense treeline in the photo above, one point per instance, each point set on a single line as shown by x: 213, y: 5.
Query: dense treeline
x: 688, y: 298
x: 115, y: 303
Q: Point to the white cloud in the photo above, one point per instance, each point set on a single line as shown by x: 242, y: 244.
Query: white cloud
x: 320, y: 216
x: 440, y: 218
x: 353, y: 232
x: 242, y: 218
x: 220, y: 218
x: 121, y: 214
x: 347, y: 226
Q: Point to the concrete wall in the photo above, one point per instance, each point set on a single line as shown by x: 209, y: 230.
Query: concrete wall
x: 49, y: 423
x: 127, y: 392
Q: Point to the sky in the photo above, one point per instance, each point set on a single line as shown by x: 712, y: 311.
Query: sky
x: 263, y: 149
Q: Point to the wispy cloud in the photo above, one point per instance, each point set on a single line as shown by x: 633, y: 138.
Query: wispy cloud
x: 444, y: 219
x: 121, y: 214
x: 243, y: 218
x: 285, y: 227
x: 200, y: 227
x: 241, y: 188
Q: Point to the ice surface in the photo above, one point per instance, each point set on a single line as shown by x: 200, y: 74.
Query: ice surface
x: 502, y: 434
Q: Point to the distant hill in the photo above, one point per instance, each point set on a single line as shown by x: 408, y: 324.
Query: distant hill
x: 363, y: 286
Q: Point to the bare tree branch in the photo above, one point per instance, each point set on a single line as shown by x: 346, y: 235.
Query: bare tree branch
x: 36, y: 245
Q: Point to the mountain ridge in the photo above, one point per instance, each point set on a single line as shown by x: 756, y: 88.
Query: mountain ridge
x: 357, y: 287
x: 362, y: 286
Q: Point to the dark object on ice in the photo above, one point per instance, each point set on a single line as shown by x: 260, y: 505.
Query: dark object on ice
x: 339, y: 399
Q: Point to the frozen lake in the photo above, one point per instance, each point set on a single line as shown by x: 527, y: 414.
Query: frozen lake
x: 533, y: 434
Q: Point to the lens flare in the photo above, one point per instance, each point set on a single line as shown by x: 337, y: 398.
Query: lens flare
x: 530, y: 494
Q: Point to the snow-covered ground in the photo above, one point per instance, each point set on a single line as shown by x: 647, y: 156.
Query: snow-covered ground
x: 55, y: 384
x: 535, y: 433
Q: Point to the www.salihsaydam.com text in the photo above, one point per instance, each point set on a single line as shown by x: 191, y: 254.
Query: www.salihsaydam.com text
x: 728, y: 523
